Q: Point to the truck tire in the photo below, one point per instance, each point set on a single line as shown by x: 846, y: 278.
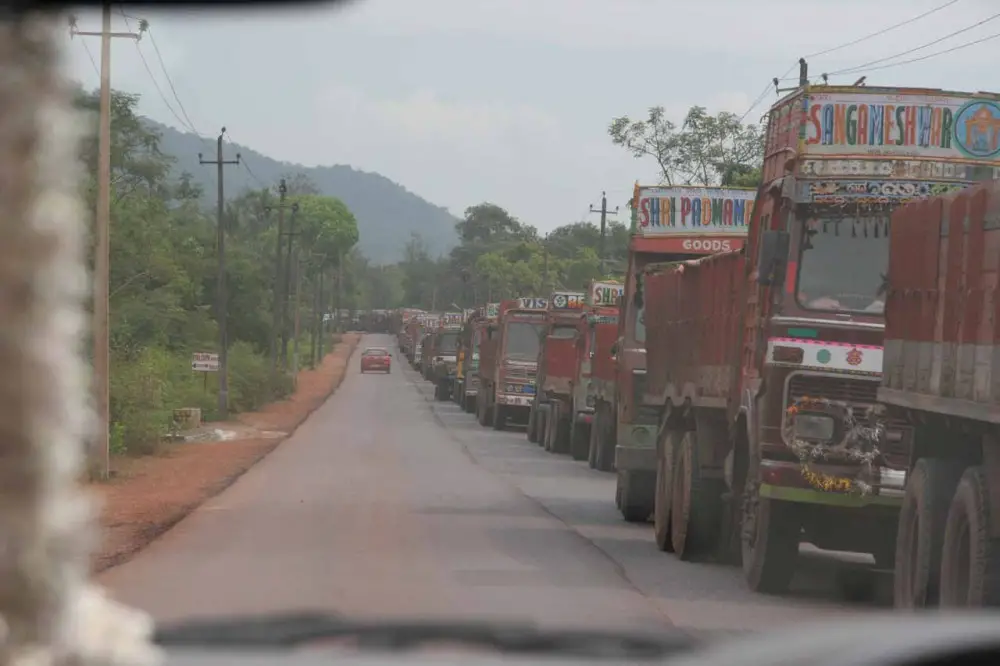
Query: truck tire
x: 542, y: 425
x: 695, y: 505
x: 579, y: 439
x: 469, y: 403
x: 664, y: 492
x: 439, y: 392
x: 922, y: 518
x: 482, y: 411
x: 605, y: 439
x: 499, y: 417
x: 970, y: 561
x: 636, y: 490
x: 532, y: 429
x: 771, y: 534
x: 592, y: 445
x: 560, y: 432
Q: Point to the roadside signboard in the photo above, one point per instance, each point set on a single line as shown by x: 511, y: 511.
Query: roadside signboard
x: 205, y: 362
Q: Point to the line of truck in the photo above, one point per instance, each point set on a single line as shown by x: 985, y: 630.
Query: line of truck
x: 815, y: 361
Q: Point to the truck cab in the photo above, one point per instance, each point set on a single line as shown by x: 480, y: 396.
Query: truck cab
x: 669, y: 224
x: 550, y: 418
x: 508, y: 385
x: 445, y: 355
x: 596, y: 369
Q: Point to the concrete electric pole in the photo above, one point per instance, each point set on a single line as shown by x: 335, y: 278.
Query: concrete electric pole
x: 603, y: 210
x: 221, y: 301
x: 100, y: 450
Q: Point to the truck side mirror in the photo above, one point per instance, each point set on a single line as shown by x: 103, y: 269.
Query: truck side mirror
x: 614, y: 348
x: 773, y: 258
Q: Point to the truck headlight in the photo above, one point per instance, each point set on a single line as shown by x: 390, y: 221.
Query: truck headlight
x: 815, y: 427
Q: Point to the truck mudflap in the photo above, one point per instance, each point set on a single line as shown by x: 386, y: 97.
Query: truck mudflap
x: 635, y: 448
x: 785, y: 481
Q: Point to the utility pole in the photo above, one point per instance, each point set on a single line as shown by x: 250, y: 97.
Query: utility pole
x: 221, y: 302
x: 100, y: 450
x: 603, y: 210
x: 288, y: 287
x: 295, y: 341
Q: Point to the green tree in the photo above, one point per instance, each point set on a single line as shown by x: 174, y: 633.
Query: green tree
x: 703, y: 150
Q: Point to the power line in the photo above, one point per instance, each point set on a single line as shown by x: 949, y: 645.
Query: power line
x: 763, y: 93
x: 857, y: 68
x: 246, y: 166
x: 152, y: 78
x: 170, y: 83
x: 929, y: 55
x: 883, y: 30
x: 91, y: 56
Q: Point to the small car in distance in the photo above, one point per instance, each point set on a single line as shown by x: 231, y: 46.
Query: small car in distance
x: 375, y: 359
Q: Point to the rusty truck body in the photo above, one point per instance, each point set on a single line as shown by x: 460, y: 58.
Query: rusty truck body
x: 550, y: 415
x: 507, y: 377
x: 941, y: 376
x: 766, y: 363
x: 669, y: 224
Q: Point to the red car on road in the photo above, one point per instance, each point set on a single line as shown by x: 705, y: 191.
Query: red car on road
x: 375, y: 358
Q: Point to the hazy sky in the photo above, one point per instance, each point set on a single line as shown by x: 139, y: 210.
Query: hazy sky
x: 508, y: 101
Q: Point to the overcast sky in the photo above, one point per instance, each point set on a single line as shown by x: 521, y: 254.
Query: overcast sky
x: 508, y: 101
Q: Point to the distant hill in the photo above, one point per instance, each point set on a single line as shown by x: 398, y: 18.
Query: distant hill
x: 386, y: 212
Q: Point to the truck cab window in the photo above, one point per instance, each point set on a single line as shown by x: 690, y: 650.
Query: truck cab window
x: 563, y: 332
x: 842, y: 264
x: 523, y: 340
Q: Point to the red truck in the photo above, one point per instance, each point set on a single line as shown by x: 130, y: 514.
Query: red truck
x: 669, y: 223
x: 507, y: 372
x: 606, y: 298
x: 550, y: 416
x: 941, y: 376
x: 597, y: 327
x: 765, y: 364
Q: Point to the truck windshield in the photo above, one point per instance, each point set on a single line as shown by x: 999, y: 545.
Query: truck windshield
x: 447, y: 343
x: 522, y: 340
x: 843, y: 264
x: 563, y: 332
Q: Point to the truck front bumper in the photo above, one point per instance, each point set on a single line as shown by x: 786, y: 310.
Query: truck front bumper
x: 514, y: 400
x: 636, y: 447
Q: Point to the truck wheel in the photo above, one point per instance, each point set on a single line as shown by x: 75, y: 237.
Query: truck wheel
x: 579, y: 439
x: 470, y: 404
x: 970, y: 563
x: 664, y: 493
x: 605, y: 442
x: 770, y: 543
x: 543, y: 427
x: 439, y: 392
x: 636, y: 497
x: 499, y: 417
x: 695, y: 505
x: 593, y: 440
x: 560, y: 433
x: 532, y: 430
x: 482, y: 415
x: 922, y: 518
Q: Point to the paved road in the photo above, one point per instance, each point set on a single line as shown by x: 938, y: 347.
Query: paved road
x: 385, y: 503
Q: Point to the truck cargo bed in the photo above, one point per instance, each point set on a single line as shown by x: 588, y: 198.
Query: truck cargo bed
x: 943, y: 312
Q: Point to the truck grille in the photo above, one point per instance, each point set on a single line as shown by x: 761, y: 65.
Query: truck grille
x: 519, y: 374
x: 860, y: 394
